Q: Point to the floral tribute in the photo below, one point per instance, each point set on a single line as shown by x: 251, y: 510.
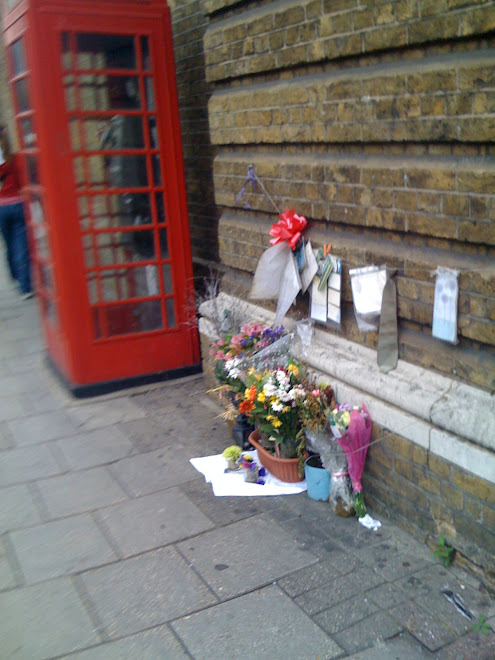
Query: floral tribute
x: 272, y: 400
x: 352, y: 430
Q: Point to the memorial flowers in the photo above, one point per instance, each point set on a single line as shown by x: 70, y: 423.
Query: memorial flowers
x: 272, y: 400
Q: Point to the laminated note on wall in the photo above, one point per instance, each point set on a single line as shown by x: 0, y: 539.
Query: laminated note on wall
x: 333, y: 296
x: 367, y: 286
x: 445, y: 305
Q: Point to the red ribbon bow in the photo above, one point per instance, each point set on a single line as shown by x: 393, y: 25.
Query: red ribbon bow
x: 288, y: 228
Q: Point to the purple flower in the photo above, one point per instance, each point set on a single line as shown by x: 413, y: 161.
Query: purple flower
x: 262, y: 472
x: 260, y: 481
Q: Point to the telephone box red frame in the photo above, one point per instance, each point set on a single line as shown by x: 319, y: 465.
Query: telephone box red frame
x: 102, y: 332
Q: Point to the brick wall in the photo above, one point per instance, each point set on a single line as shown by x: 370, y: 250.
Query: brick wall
x: 377, y: 122
x: 428, y: 496
x: 189, y: 23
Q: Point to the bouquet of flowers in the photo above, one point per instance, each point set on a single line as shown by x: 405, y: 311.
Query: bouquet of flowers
x: 232, y: 350
x: 272, y: 400
x: 352, y: 430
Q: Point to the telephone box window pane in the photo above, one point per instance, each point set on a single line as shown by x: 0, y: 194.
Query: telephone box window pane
x: 70, y: 93
x: 117, y: 132
x: 66, y: 53
x: 160, y: 208
x: 100, y: 92
x: 113, y: 211
x: 75, y: 137
x: 157, y: 170
x: 170, y: 309
x: 164, y: 244
x: 105, y: 51
x: 28, y: 135
x: 84, y: 219
x: 119, y: 171
x: 92, y: 288
x: 153, y: 132
x: 167, y: 279
x: 32, y: 169
x: 133, y: 317
x: 125, y: 283
x: 123, y: 247
x: 78, y: 172
x: 150, y: 94
x: 18, y: 57
x: 89, y: 259
x: 21, y: 94
x: 145, y: 53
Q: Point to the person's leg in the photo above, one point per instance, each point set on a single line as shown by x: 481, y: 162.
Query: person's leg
x: 22, y: 266
x: 6, y: 229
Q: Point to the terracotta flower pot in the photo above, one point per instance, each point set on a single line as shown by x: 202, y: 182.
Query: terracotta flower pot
x: 285, y: 469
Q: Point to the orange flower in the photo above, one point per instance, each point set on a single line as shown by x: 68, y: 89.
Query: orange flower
x: 252, y: 393
x: 246, y: 407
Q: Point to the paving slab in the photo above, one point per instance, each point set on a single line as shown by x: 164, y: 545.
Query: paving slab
x: 144, y: 474
x: 225, y: 510
x: 27, y: 464
x: 42, y: 428
x: 94, y: 448
x: 369, y: 632
x: 475, y: 646
x: 138, y: 593
x: 152, y: 521
x: 6, y: 439
x: 337, y: 590
x: 11, y: 407
x: 156, y: 644
x: 345, y: 614
x: 44, y: 621
x: 243, y: 556
x: 264, y: 625
x: 61, y: 547
x: 313, y: 576
x: 78, y: 492
x: 387, y: 595
x: 90, y: 416
x: 7, y: 578
x: 422, y: 625
x: 400, y: 647
x: 17, y: 508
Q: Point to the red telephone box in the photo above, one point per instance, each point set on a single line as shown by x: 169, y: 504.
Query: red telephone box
x: 94, y: 91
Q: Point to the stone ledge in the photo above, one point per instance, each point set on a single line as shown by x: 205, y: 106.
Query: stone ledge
x: 410, y: 401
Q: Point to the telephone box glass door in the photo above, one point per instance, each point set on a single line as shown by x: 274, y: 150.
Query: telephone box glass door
x: 115, y: 143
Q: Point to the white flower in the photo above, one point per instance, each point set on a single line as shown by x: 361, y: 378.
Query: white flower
x: 277, y: 406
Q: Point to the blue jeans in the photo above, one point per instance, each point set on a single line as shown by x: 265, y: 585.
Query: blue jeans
x: 13, y: 230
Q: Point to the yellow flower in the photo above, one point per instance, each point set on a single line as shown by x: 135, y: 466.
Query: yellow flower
x: 346, y: 418
x: 286, y: 409
x: 251, y: 371
x: 247, y: 392
x: 276, y: 422
x: 258, y: 376
x: 294, y: 369
x: 261, y: 397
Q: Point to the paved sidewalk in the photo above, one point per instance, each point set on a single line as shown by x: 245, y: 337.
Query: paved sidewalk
x: 112, y: 547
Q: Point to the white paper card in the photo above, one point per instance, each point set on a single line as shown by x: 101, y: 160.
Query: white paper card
x: 445, y: 305
x: 334, y: 297
x: 334, y: 281
x: 310, y: 268
x: 290, y: 285
x: 367, y: 288
x: 318, y: 302
x: 333, y: 313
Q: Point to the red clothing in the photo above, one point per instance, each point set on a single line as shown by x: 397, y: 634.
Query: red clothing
x: 9, y: 183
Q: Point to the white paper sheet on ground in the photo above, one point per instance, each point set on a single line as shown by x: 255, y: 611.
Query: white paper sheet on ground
x: 290, y: 285
x: 233, y: 484
x: 270, y: 271
x: 310, y: 268
x: 318, y: 307
x: 369, y: 522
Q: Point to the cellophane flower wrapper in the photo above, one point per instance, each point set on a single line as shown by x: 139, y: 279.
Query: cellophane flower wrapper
x: 355, y: 442
x: 334, y: 460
